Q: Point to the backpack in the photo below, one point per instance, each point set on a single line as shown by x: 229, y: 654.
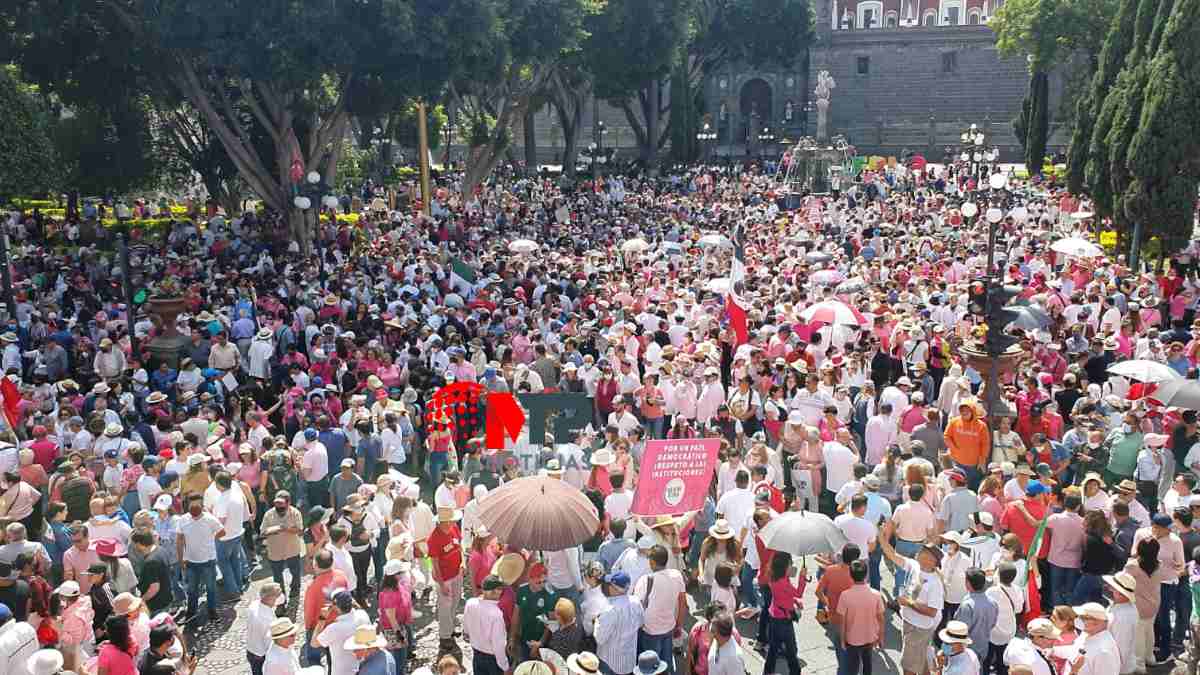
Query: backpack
x: 281, y: 475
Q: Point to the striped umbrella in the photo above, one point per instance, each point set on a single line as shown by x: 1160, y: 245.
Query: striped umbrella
x: 834, y: 313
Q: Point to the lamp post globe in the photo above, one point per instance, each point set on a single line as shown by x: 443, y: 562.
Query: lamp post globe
x: 314, y: 177
x: 969, y: 210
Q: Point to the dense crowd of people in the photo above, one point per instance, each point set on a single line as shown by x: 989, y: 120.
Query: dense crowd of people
x: 294, y: 431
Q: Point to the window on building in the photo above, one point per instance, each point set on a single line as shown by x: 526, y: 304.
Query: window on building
x: 891, y: 21
x: 950, y: 62
x: 973, y: 19
x: 869, y: 18
x: 951, y: 16
x: 931, y: 19
x: 864, y: 65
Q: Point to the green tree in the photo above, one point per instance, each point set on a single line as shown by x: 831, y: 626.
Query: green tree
x: 291, y: 66
x: 1117, y: 43
x: 1163, y: 151
x: 31, y: 165
x: 1038, y: 125
x: 108, y: 149
x: 529, y: 39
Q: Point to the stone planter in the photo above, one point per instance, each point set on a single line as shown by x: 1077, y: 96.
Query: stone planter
x: 167, y: 309
x: 1006, y: 364
x: 169, y: 344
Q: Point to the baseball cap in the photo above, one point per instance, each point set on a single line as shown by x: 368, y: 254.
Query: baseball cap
x: 618, y: 579
x: 1161, y: 520
x: 1035, y: 488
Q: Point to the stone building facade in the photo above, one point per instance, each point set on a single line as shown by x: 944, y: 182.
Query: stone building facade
x: 910, y: 75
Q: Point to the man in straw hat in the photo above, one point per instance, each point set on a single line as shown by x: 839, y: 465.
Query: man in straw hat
x: 1097, y: 652
x: 340, y: 619
x: 1032, y: 652
x: 955, y: 658
x: 445, y: 548
x: 483, y: 626
x: 368, y: 647
x: 281, y: 658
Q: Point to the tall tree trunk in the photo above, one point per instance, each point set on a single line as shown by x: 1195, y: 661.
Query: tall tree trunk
x: 653, y: 103
x: 530, y: 132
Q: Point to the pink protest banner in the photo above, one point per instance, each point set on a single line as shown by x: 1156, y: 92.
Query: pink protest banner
x: 675, y: 476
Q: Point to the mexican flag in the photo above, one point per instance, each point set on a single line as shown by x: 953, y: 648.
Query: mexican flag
x: 1033, y: 599
x: 462, y: 273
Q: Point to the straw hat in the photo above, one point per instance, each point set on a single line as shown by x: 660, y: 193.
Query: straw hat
x: 509, y: 567
x: 125, y: 603
x: 662, y: 521
x: 1091, y: 610
x: 448, y: 514
x: 1123, y: 583
x: 602, y: 457
x: 1043, y: 628
x: 720, y: 530
x: 365, y: 637
x: 282, y: 628
x: 583, y: 663
x: 533, y: 667
x: 956, y: 632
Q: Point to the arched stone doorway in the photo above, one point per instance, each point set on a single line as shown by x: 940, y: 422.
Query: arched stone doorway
x: 755, y: 108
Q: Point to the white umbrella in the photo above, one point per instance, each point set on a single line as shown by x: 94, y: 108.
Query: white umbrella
x: 713, y: 240
x: 1177, y: 392
x: 671, y: 248
x: 718, y: 285
x: 1143, y: 370
x: 1080, y: 248
x: 802, y: 533
x: 1082, y: 215
x: 523, y: 246
x: 827, y: 277
x: 636, y: 245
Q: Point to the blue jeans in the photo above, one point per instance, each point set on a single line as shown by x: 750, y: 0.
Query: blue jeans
x: 655, y: 426
x: 1089, y: 588
x: 401, y: 658
x: 438, y: 461
x: 380, y: 555
x: 908, y: 549
x: 1062, y: 583
x: 292, y: 564
x: 202, y: 573
x: 748, y: 588
x: 873, y: 563
x: 1183, y: 611
x: 310, y: 655
x: 1162, y: 622
x: 782, y: 642
x: 659, y: 644
x: 764, y: 617
x: 231, y: 560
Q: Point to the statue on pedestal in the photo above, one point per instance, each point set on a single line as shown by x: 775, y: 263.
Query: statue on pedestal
x: 825, y: 85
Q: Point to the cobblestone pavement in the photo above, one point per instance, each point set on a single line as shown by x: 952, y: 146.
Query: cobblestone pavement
x: 221, y: 643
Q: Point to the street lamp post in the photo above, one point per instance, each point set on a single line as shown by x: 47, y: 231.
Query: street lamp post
x: 764, y: 137
x: 705, y: 137
x: 316, y: 192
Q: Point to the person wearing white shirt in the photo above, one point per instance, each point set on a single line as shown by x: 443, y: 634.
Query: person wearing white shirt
x: 737, y: 505
x: 921, y: 601
x: 727, y: 474
x: 1096, y: 651
x: 332, y: 635
x: 147, y: 484
x: 563, y: 576
x: 635, y: 561
x: 259, y: 617
x: 856, y: 528
x: 281, y: 658
x: 839, y: 461
x: 339, y: 538
x: 616, y: 505
x: 230, y: 508
x: 196, y: 549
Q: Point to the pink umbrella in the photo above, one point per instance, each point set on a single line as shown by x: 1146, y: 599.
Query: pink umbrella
x: 834, y: 312
x: 539, y: 513
x: 827, y: 277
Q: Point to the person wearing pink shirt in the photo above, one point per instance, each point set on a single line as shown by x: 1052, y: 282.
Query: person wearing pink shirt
x: 1067, y: 535
x: 861, y: 620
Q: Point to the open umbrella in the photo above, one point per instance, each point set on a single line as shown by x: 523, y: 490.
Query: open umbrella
x: 852, y: 285
x: 635, y: 245
x: 818, y: 257
x: 834, y: 313
x: 1177, y: 392
x: 539, y: 513
x: 827, y: 277
x: 1080, y: 248
x: 713, y: 241
x: 718, y: 285
x: 1143, y: 370
x: 802, y: 533
x: 523, y: 246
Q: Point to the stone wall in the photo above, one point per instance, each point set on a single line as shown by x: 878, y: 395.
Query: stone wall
x: 917, y: 88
